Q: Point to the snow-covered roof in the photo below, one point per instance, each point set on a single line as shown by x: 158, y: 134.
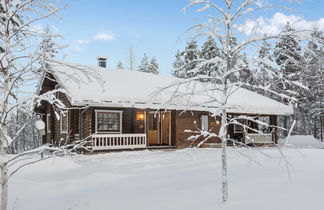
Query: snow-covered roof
x: 126, y: 88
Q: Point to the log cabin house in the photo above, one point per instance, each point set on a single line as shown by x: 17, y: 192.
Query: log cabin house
x: 118, y: 112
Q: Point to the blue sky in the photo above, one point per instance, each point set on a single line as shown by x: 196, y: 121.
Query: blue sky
x: 155, y: 27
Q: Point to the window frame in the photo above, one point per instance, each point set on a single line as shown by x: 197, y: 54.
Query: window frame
x: 66, y: 112
x: 120, y: 112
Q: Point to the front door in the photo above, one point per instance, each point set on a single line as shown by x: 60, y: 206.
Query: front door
x: 159, y: 128
x: 165, y: 128
x: 153, y: 128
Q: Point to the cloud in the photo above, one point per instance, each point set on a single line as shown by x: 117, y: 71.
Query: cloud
x: 96, y: 37
x: 77, y: 48
x: 82, y: 41
x: 103, y: 37
x: 276, y: 23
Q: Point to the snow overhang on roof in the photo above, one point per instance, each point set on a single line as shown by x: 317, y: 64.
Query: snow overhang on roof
x: 126, y: 88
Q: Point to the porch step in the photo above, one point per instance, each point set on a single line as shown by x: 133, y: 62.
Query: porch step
x: 211, y: 145
x: 161, y: 147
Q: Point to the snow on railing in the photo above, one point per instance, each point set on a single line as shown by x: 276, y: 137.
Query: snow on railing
x: 118, y: 141
x: 258, y: 138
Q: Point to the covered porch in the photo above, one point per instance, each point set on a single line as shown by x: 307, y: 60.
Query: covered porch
x: 264, y: 132
x: 129, y: 128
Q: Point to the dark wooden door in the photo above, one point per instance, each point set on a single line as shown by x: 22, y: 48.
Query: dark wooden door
x: 165, y: 128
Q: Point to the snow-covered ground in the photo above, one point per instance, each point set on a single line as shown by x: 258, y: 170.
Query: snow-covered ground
x: 304, y: 142
x: 188, y: 179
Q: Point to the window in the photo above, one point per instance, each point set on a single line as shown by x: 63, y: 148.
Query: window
x: 48, y: 123
x: 264, y: 128
x: 140, y: 120
x: 204, y: 122
x: 239, y: 128
x: 108, y: 121
x: 64, y: 121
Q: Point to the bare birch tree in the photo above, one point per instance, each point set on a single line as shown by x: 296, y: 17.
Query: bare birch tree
x: 25, y: 52
x: 223, y: 25
x: 131, y: 58
x: 19, y: 64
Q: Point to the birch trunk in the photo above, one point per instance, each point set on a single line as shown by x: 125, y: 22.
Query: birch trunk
x: 4, y: 187
x: 5, y: 72
x: 223, y: 133
x: 223, y: 129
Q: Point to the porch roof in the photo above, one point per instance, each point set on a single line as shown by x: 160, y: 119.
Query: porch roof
x: 126, y: 88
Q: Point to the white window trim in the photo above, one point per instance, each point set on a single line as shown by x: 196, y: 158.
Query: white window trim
x: 67, y: 121
x: 48, y: 119
x: 110, y: 111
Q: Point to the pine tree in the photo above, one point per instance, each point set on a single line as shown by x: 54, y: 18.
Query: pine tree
x: 190, y: 59
x: 237, y: 61
x: 177, y: 65
x: 288, y: 56
x: 263, y: 76
x: 149, y: 67
x: 245, y: 74
x: 144, y: 67
x: 210, y: 51
x: 154, y: 66
x: 120, y: 65
x: 315, y: 82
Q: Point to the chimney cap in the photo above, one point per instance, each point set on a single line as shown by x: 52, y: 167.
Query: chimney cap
x: 102, y: 57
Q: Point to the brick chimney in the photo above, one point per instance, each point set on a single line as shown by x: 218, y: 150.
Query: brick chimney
x: 102, y: 61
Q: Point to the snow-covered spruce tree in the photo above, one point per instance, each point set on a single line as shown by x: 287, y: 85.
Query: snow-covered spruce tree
x: 223, y: 21
x: 153, y: 66
x: 145, y: 66
x: 314, y: 66
x: 288, y: 55
x: 245, y: 73
x: 177, y: 64
x: 190, y: 58
x: 24, y: 50
x: 262, y: 76
x: 149, y: 66
x: 209, y: 51
x: 120, y: 65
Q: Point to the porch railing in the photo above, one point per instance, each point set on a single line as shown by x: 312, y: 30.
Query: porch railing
x: 258, y: 138
x: 118, y: 141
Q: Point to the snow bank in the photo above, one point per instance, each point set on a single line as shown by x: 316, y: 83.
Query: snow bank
x: 54, y: 165
x: 187, y: 179
x: 304, y: 141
